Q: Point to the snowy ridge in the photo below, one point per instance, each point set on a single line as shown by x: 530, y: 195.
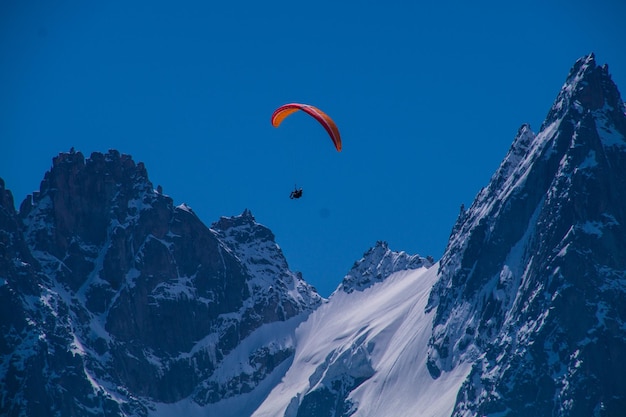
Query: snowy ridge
x: 378, y: 263
x: 240, y: 365
x: 254, y: 245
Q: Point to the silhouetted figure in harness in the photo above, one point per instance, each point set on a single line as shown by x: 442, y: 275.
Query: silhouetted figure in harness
x: 296, y: 193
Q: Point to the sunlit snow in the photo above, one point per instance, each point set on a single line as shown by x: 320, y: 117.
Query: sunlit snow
x: 384, y: 328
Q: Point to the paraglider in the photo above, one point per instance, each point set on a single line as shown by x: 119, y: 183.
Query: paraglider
x: 283, y: 111
x: 296, y: 193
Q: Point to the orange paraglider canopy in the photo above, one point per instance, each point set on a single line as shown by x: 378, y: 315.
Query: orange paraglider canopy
x: 283, y: 111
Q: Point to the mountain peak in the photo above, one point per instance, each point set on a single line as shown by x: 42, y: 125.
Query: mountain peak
x: 247, y: 214
x: 242, y: 228
x: 97, y: 176
x: 530, y: 263
x: 583, y: 64
x: 588, y: 87
x: 255, y: 246
x: 136, y: 293
x: 378, y: 263
x: 80, y: 197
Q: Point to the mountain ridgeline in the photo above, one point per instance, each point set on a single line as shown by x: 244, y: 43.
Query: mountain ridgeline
x: 116, y: 302
x: 532, y: 285
x: 111, y: 294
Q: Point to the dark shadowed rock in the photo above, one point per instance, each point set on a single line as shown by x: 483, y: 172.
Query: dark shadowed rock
x: 135, y: 300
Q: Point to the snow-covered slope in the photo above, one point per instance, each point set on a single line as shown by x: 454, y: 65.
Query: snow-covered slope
x: 364, y: 354
x: 275, y: 339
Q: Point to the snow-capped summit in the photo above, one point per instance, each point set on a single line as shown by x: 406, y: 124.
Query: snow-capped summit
x: 588, y: 88
x: 377, y: 264
x: 532, y: 277
x: 255, y: 247
x: 251, y: 242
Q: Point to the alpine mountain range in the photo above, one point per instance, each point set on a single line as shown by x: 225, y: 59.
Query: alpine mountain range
x: 116, y: 302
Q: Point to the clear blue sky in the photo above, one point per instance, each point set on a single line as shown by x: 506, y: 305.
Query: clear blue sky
x: 428, y: 96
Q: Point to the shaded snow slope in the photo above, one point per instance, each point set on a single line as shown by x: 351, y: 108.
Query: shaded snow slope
x: 277, y: 338
x: 364, y: 354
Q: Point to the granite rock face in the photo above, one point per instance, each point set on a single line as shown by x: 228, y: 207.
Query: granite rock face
x: 118, y: 298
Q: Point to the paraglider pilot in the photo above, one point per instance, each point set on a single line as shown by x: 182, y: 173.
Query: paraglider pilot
x: 296, y: 193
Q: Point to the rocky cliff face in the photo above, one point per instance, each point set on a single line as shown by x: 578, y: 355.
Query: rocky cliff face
x: 532, y: 284
x: 26, y: 316
x: 119, y: 296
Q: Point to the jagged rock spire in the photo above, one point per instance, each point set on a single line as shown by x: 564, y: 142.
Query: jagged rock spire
x: 135, y: 300
x: 532, y: 261
x: 588, y: 87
